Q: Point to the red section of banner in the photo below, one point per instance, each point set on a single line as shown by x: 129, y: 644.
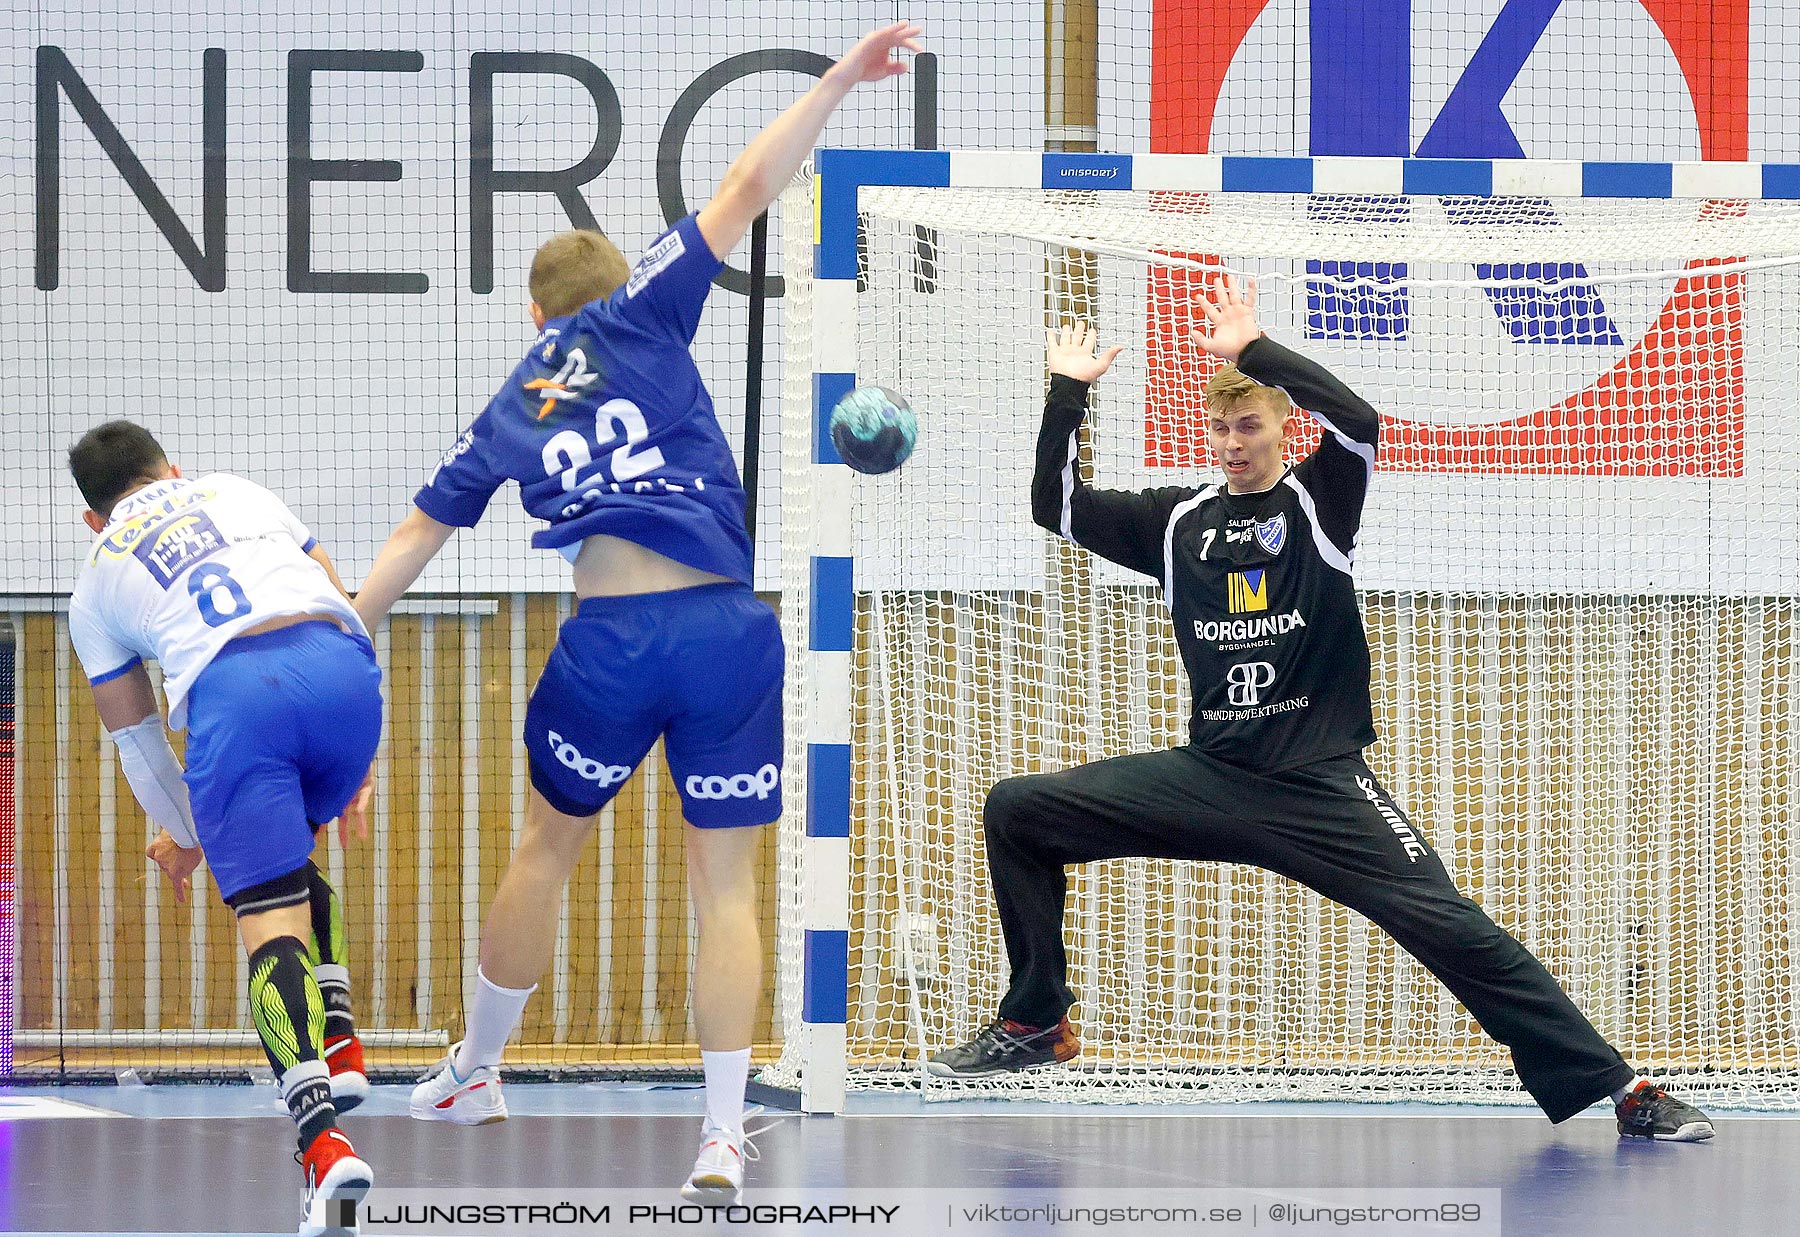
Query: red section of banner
x: 1192, y: 45
x: 1711, y: 42
x: 1671, y: 406
x: 1175, y: 372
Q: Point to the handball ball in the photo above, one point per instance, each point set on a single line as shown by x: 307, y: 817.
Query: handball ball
x: 873, y: 429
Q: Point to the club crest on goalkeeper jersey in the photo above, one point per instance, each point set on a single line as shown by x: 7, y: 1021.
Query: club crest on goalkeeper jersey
x: 183, y: 566
x: 1258, y: 585
x: 608, y: 428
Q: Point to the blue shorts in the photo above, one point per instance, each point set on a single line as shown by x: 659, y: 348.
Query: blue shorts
x: 700, y: 667
x: 281, y: 730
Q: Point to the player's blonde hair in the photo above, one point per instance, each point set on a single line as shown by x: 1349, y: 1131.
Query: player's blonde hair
x: 1229, y: 389
x: 573, y: 268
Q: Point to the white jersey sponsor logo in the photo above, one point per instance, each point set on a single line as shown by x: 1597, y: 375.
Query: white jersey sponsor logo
x: 1262, y: 711
x: 655, y: 259
x: 739, y: 786
x: 123, y: 533
x: 601, y: 774
x: 1246, y: 681
x: 462, y: 446
x: 1248, y: 629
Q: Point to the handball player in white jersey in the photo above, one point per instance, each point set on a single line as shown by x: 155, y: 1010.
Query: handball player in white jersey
x: 608, y: 429
x: 271, y: 673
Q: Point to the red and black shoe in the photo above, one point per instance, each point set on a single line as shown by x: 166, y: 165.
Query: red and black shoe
x: 1005, y: 1047
x: 1651, y: 1112
x: 337, y: 1180
x: 349, y: 1079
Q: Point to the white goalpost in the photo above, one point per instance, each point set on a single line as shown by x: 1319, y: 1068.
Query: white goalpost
x: 1578, y: 568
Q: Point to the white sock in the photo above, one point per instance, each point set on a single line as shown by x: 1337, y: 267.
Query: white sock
x: 493, y: 1015
x: 726, y: 1075
x: 1628, y: 1088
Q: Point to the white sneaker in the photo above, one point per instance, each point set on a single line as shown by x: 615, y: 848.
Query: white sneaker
x: 473, y: 1099
x: 718, y: 1175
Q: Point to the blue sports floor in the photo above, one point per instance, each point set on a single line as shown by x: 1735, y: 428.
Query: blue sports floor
x: 218, y: 1158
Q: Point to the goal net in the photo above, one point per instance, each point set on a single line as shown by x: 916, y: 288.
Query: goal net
x: 1577, y: 567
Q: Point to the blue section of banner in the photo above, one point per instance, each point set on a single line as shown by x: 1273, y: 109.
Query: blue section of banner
x: 1361, y: 77
x: 1357, y: 300
x: 1567, y: 309
x: 1471, y: 124
x: 828, y: 790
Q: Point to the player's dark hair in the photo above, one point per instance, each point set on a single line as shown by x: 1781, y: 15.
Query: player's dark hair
x: 573, y: 268
x: 113, y: 458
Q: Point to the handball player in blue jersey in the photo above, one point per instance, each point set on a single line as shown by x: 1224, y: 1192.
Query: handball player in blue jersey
x: 608, y: 429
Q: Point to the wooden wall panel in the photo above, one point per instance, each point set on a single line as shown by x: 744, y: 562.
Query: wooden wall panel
x: 81, y: 758
x: 407, y: 745
x: 1462, y: 685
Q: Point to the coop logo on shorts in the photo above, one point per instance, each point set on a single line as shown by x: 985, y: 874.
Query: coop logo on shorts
x: 602, y: 774
x: 1245, y: 682
x: 740, y: 786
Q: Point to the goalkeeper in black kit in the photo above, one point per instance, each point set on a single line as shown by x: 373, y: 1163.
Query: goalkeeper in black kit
x: 1256, y: 572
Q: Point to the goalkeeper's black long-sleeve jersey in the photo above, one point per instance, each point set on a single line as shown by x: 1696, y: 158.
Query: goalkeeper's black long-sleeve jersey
x: 1258, y: 585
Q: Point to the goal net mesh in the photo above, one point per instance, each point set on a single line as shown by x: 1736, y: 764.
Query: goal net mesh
x: 1577, y: 569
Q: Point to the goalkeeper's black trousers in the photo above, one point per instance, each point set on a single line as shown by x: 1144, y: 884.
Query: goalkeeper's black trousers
x: 1328, y: 825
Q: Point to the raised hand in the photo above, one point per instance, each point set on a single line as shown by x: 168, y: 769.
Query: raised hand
x: 1071, y: 352
x: 873, y: 59
x: 1231, y: 317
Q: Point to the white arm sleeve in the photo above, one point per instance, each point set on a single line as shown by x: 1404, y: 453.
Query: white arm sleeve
x: 155, y: 777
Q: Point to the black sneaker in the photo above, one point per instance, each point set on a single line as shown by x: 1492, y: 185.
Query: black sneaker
x: 1003, y: 1047
x: 1651, y: 1112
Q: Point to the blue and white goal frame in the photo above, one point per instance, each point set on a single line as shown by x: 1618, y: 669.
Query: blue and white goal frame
x: 839, y: 178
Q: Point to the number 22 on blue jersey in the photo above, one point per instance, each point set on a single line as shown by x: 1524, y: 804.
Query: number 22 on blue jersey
x: 616, y: 421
